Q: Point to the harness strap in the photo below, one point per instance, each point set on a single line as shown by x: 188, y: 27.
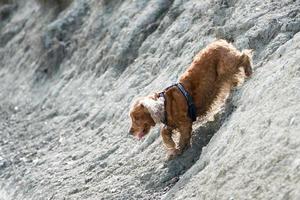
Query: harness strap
x: 192, y: 112
x: 191, y: 106
x: 165, y: 119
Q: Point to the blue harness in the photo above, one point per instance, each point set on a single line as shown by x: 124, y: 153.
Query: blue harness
x: 192, y: 112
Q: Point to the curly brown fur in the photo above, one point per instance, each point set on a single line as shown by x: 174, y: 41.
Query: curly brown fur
x: 213, y: 73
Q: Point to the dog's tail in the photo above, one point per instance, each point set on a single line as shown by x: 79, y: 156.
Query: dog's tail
x: 246, y: 61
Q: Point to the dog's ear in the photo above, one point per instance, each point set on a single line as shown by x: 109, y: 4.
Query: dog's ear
x: 154, y: 106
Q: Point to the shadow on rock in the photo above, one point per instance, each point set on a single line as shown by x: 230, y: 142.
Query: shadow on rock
x: 200, y: 138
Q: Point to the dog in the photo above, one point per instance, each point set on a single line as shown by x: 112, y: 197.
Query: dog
x: 214, y: 71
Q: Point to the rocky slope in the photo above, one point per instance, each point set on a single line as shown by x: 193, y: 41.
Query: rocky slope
x: 68, y: 72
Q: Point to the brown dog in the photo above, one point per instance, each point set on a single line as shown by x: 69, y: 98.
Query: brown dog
x: 210, y: 77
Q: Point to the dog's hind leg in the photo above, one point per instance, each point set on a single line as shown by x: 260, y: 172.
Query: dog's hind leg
x: 246, y: 61
x: 244, y: 68
x: 231, y: 64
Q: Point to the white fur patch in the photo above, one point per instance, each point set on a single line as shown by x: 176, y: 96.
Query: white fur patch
x: 156, y: 108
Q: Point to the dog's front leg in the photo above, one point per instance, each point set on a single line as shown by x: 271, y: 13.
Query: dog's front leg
x: 166, y: 134
x: 185, y: 136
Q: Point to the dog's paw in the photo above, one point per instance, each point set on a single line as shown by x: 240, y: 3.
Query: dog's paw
x: 172, y: 153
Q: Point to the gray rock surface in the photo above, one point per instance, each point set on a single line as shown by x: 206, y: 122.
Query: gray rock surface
x: 68, y: 74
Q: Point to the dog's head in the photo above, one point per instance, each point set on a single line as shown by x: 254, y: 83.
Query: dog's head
x: 141, y: 120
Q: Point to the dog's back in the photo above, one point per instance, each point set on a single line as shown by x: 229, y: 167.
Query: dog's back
x: 214, y: 70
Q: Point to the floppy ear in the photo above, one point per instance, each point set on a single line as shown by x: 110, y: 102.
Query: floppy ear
x: 149, y: 103
x: 155, y: 108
